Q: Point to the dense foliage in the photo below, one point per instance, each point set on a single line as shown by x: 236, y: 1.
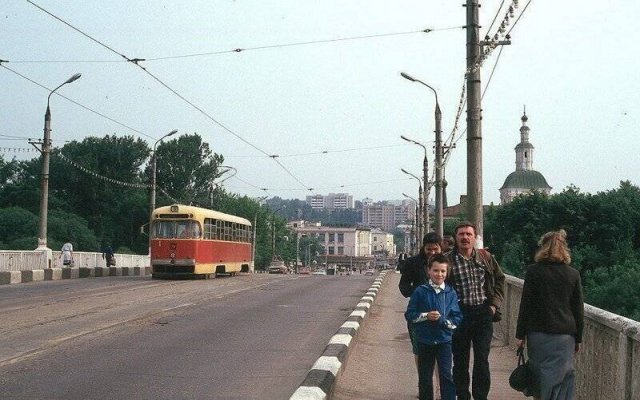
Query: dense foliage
x: 603, y: 235
x: 99, y: 193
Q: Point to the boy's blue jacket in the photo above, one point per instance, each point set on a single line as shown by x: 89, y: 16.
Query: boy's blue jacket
x: 425, y: 299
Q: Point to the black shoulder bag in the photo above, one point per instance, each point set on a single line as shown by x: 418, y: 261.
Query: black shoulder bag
x: 521, y: 379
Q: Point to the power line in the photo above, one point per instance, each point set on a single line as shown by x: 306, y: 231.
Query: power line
x: 321, y: 152
x: 239, y: 50
x: 236, y: 50
x: 78, y: 104
x: 136, y: 62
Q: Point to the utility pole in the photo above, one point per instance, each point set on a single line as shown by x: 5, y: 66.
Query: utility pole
x: 476, y: 51
x: 438, y: 166
x: 474, y: 120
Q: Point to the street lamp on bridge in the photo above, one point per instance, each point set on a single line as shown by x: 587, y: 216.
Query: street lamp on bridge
x: 421, y: 228
x: 413, y: 233
x: 439, y: 155
x: 152, y: 203
x: 46, y: 149
x: 427, y: 185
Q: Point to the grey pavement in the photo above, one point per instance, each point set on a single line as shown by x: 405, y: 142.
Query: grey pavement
x: 381, y: 366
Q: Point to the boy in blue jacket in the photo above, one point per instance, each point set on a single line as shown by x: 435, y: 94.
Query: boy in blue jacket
x: 434, y: 310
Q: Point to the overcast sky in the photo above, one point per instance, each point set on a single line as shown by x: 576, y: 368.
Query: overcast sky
x: 319, y: 85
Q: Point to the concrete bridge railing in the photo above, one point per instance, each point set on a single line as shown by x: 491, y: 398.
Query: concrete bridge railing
x: 38, y: 265
x: 607, y: 366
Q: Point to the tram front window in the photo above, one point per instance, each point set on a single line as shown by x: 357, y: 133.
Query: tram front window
x: 176, y: 230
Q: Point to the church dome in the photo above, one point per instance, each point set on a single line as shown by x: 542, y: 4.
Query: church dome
x: 525, y: 179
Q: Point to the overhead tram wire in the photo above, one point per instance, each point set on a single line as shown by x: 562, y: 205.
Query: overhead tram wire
x: 136, y: 62
x: 241, y: 50
x: 78, y: 104
x: 332, y: 151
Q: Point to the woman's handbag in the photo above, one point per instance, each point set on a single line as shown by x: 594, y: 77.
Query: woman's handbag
x: 521, y: 379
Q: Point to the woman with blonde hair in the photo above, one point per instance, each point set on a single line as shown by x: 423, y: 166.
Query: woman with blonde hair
x: 551, y: 317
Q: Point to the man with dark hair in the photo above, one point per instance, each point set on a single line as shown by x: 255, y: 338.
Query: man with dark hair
x: 414, y: 274
x: 479, y: 281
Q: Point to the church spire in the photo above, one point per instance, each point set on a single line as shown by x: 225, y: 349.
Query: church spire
x: 524, y: 150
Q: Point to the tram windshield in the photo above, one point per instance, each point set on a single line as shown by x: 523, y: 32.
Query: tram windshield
x: 184, y: 229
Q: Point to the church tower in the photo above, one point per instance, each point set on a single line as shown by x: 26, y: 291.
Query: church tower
x: 525, y: 179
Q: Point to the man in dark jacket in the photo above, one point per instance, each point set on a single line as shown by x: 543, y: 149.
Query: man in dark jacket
x: 477, y: 278
x: 414, y: 274
x: 413, y: 269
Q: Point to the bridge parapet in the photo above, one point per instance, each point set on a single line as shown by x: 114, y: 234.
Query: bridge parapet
x: 611, y: 348
x: 32, y: 265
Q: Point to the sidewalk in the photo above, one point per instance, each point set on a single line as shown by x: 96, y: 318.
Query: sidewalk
x: 381, y: 366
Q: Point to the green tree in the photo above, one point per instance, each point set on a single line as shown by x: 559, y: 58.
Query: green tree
x: 99, y: 179
x: 186, y: 170
x: 18, y: 229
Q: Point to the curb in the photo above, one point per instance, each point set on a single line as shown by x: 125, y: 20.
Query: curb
x: 321, y: 378
x: 54, y: 274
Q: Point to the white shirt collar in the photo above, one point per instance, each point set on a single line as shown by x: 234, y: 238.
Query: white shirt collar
x: 437, y: 288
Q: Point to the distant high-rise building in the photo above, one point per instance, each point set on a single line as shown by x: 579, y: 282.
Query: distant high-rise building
x: 387, y: 216
x: 331, y: 201
x: 524, y: 179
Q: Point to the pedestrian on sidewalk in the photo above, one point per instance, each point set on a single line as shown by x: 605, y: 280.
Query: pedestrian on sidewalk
x: 66, y: 253
x: 108, y: 256
x: 434, y: 312
x: 551, y: 317
x: 478, y: 280
x: 414, y: 274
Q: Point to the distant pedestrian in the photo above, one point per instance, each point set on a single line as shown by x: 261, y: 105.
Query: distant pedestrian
x: 551, y: 317
x: 434, y: 312
x: 66, y: 253
x: 108, y: 256
x: 478, y: 280
x: 414, y: 274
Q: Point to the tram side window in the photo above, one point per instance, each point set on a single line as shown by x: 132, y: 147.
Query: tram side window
x: 237, y: 234
x: 219, y: 230
x: 209, y: 228
x: 243, y: 233
x: 227, y: 230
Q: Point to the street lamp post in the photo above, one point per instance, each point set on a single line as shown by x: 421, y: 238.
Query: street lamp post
x: 413, y: 232
x: 421, y: 227
x: 152, y: 203
x: 439, y: 156
x: 427, y: 184
x: 46, y: 149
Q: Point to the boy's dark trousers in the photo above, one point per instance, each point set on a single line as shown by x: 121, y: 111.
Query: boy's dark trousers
x: 476, y: 328
x: 427, y: 355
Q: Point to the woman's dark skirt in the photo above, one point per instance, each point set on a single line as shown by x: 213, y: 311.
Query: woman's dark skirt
x: 551, y: 357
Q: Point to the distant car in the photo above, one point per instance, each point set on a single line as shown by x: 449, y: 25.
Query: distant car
x: 278, y: 270
x: 370, y: 272
x: 319, y: 272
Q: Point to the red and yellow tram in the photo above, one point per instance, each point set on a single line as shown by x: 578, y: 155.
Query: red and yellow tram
x: 187, y: 240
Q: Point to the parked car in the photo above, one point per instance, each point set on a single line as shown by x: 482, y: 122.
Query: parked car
x: 370, y: 272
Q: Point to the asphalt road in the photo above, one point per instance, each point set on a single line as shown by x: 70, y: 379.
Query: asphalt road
x: 245, y: 337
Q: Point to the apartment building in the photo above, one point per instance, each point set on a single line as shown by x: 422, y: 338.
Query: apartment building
x: 388, y: 216
x: 330, y: 201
